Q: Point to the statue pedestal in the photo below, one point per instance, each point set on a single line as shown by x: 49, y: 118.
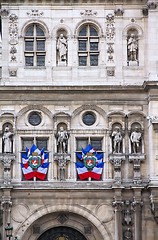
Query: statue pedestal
x: 136, y: 159
x: 6, y: 159
x: 62, y: 160
x: 133, y: 63
x: 62, y: 64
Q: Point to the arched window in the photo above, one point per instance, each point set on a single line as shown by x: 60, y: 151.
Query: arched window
x: 88, y: 43
x: 34, y: 46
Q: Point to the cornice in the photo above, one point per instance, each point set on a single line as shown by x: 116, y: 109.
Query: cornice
x: 75, y: 2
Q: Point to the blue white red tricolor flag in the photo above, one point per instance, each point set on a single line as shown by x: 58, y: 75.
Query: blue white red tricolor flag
x: 34, y: 163
x: 90, y: 165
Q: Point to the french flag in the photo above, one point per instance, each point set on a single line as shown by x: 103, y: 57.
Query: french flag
x: 42, y: 170
x: 26, y: 169
x: 97, y: 171
x: 94, y: 173
x: 82, y: 171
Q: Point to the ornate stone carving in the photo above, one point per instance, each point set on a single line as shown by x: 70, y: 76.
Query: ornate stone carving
x: 110, y: 33
x: 152, y: 5
x: 117, y: 163
x: 35, y: 13
x: 110, y: 27
x: 13, y: 29
x: 110, y: 52
x: 4, y: 12
x: 62, y: 218
x: 137, y: 160
x: 119, y: 12
x: 13, y: 39
x: 88, y: 12
x: 62, y: 161
x: 110, y: 71
x: 127, y: 213
x: 145, y: 11
x: 127, y: 234
x: 7, y: 160
x: 12, y: 72
x: 117, y: 204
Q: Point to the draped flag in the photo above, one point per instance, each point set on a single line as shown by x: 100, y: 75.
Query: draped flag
x: 34, y: 163
x: 90, y: 165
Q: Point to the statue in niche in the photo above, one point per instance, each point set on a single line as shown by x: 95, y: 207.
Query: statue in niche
x: 62, y: 48
x: 136, y: 140
x: 7, y: 140
x: 117, y: 140
x: 62, y: 140
x: 132, y: 48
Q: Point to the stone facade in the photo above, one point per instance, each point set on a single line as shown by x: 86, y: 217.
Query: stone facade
x: 89, y: 68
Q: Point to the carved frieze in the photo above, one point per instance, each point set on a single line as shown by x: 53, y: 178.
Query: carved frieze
x: 35, y: 13
x: 88, y: 12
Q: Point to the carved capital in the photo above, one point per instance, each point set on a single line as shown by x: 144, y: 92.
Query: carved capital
x: 6, y: 203
x: 117, y: 204
x: 137, y: 204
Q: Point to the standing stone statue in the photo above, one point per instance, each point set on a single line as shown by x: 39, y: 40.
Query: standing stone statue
x: 135, y: 139
x: 7, y: 139
x: 62, y: 48
x: 62, y: 140
x: 132, y: 48
x: 117, y: 140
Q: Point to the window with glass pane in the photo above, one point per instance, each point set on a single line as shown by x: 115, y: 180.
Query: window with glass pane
x: 42, y: 143
x: 96, y: 143
x: 81, y: 143
x: 35, y: 46
x: 26, y: 143
x: 88, y: 45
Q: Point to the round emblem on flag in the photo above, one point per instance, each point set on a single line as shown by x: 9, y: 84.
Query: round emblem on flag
x: 90, y: 161
x: 34, y: 161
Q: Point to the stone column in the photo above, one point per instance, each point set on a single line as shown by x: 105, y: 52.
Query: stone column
x: 117, y: 204
x: 137, y: 205
x: 6, y: 205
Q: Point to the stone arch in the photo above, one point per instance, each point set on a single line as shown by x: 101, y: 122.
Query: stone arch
x: 34, y: 107
x: 88, y: 21
x: 61, y: 26
x: 132, y: 26
x: 41, y: 23
x: 88, y: 107
x: 23, y: 229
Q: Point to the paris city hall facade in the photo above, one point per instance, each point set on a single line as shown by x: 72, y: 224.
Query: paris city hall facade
x: 79, y: 120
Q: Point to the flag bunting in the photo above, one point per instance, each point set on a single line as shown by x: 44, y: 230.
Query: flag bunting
x: 34, y: 163
x: 91, y: 163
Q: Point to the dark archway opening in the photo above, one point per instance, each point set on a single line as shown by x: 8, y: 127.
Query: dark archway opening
x: 62, y: 233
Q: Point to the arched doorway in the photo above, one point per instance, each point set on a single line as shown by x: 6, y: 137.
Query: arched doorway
x: 62, y: 233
